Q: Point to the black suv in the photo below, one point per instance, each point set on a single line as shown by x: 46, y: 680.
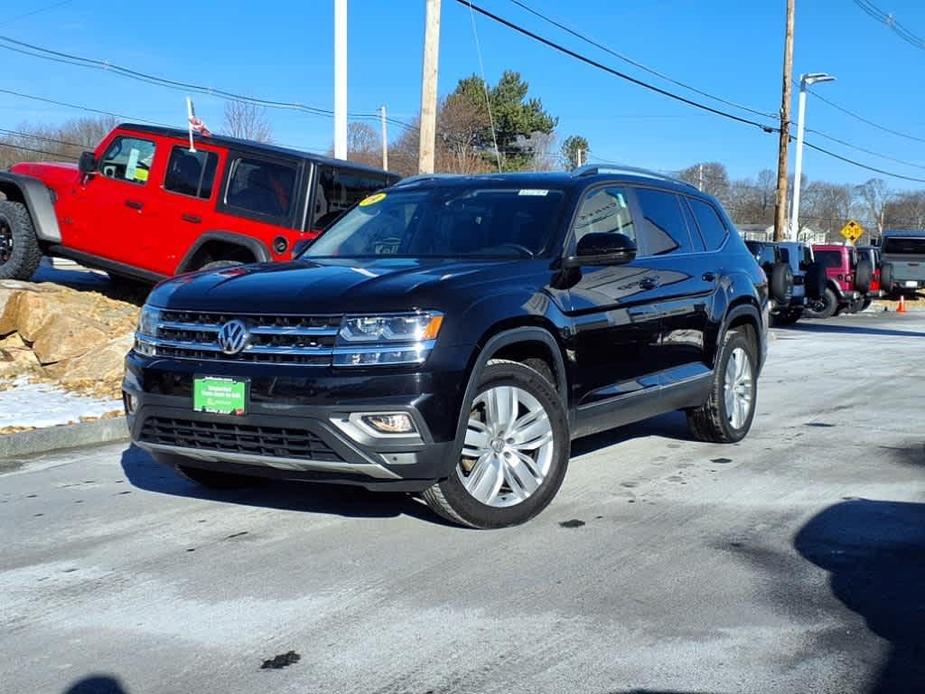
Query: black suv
x: 452, y: 335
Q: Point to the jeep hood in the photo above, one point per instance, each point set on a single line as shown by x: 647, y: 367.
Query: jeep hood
x: 340, y: 286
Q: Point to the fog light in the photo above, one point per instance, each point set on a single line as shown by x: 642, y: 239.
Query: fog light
x: 131, y: 402
x: 391, y: 423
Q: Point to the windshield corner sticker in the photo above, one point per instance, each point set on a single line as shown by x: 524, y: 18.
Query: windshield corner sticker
x: 372, y: 199
x: 533, y: 191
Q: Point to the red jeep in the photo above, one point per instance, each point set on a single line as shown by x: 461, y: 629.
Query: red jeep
x: 848, y: 281
x: 145, y: 206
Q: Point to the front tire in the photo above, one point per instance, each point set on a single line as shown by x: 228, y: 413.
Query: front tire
x: 727, y: 415
x: 20, y: 254
x: 514, y: 454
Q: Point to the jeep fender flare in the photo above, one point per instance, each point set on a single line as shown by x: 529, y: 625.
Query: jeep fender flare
x: 492, y: 346
x: 36, y: 196
x: 260, y: 252
x: 835, y: 287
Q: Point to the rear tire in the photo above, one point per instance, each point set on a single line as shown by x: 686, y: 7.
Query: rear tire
x: 824, y: 307
x: 727, y: 415
x: 214, y: 479
x: 505, y: 474
x: 20, y: 254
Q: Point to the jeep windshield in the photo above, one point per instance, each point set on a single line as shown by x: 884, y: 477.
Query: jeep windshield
x: 445, y: 222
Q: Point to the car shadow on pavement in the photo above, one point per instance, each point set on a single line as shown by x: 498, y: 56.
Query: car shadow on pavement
x: 96, y: 684
x: 672, y: 425
x: 816, y: 327
x: 336, y: 499
x: 875, y: 553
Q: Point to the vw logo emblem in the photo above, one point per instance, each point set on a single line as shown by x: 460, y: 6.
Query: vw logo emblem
x: 233, y: 337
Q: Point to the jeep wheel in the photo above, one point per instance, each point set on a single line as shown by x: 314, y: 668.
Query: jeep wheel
x: 727, y: 415
x: 824, y: 307
x: 781, y: 282
x: 514, y: 454
x: 19, y: 248
x: 788, y: 317
x: 213, y: 479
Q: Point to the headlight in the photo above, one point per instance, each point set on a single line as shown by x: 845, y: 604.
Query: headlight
x: 147, y: 328
x: 393, y: 339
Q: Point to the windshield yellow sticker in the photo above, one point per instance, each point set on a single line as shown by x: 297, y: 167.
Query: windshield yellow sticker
x: 372, y: 199
x: 141, y: 174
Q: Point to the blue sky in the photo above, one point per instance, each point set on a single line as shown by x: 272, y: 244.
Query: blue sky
x: 283, y: 51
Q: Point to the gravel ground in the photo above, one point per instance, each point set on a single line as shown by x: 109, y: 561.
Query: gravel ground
x: 792, y: 562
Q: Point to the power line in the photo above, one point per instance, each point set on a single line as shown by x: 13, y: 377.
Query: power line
x: 20, y: 133
x: 848, y: 160
x: 641, y: 66
x: 890, y: 21
x: 866, y: 120
x: 616, y: 73
x: 866, y: 151
x: 35, y: 11
x: 119, y: 116
x: 33, y: 149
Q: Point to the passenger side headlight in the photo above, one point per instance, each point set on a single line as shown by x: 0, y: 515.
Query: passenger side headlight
x: 389, y: 339
x: 147, y: 328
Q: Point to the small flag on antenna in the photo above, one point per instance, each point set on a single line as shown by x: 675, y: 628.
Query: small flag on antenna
x: 196, y: 125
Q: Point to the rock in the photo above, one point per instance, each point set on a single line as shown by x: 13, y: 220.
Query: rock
x: 63, y: 335
x: 99, y: 371
x: 16, y: 361
x: 13, y: 341
x: 8, y: 298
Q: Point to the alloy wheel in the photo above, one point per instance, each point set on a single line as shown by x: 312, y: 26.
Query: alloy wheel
x: 6, y: 242
x: 738, y: 388
x: 508, y: 448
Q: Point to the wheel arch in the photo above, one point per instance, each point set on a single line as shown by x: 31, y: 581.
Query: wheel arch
x: 745, y: 314
x: 36, y: 196
x: 220, y: 245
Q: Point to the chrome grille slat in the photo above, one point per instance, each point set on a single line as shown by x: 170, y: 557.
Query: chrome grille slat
x: 280, y: 339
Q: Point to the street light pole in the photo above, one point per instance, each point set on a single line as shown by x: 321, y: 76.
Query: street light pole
x: 805, y: 81
x: 340, y: 79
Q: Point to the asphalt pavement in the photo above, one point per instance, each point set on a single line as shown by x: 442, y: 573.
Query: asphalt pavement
x: 792, y: 562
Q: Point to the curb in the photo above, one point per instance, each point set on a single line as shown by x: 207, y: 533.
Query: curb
x: 37, y: 441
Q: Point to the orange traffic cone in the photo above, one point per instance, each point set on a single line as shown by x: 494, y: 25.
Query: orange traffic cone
x: 902, y: 304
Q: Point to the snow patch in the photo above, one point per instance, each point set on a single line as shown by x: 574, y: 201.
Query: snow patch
x: 42, y: 405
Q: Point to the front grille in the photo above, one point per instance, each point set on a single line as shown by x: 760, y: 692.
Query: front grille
x: 273, y: 339
x: 274, y: 442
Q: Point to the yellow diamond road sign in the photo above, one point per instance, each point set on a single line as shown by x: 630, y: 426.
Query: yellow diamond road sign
x: 852, y: 231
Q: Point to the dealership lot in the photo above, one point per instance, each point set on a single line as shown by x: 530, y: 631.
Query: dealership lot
x: 793, y: 561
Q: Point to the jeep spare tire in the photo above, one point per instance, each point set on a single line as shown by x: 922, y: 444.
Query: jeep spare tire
x: 781, y: 283
x: 863, y: 274
x: 19, y: 248
x: 886, y: 278
x: 815, y: 281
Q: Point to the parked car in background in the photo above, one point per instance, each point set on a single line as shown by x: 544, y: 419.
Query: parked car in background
x: 848, y: 278
x: 808, y: 279
x: 452, y: 335
x: 780, y: 276
x: 903, y: 261
x: 144, y: 206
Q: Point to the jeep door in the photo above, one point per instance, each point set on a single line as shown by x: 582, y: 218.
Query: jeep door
x: 615, y: 330
x: 107, y: 215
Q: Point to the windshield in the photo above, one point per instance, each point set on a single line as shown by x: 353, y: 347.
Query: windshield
x: 445, y: 222
x: 904, y: 245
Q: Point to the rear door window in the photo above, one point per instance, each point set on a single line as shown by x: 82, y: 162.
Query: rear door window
x: 337, y: 190
x: 128, y: 159
x: 664, y: 229
x: 829, y: 259
x: 904, y: 245
x: 709, y: 222
x: 261, y: 187
x: 191, y: 173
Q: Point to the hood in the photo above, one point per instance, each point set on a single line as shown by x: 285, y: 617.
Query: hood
x: 343, y: 286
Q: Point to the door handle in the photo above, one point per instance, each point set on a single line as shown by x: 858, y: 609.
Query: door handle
x: 191, y: 218
x: 648, y: 283
x: 134, y: 204
x: 709, y: 277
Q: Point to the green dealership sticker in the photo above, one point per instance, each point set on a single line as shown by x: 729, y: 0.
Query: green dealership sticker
x: 219, y: 395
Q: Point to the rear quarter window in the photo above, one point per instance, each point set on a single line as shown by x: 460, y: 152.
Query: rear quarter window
x: 710, y: 223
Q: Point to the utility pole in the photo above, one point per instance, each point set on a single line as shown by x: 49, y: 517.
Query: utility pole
x: 429, y: 87
x: 385, y: 139
x: 780, y: 208
x: 340, y: 79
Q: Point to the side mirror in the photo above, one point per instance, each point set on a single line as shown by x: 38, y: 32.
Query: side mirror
x: 602, y: 248
x: 87, y: 163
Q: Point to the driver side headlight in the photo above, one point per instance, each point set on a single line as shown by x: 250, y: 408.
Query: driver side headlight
x: 147, y: 328
x: 388, y: 339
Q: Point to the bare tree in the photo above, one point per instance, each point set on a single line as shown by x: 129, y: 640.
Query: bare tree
x: 364, y: 144
x: 247, y: 121
x: 874, y: 195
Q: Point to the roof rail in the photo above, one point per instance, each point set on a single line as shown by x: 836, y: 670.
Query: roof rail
x: 595, y: 169
x: 421, y: 177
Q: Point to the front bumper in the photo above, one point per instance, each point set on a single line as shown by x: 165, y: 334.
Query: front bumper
x: 298, y: 425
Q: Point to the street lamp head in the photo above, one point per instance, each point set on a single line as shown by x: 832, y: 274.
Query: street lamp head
x: 815, y: 77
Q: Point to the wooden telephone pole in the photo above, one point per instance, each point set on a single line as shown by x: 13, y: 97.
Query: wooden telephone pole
x: 429, y: 88
x: 780, y: 209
